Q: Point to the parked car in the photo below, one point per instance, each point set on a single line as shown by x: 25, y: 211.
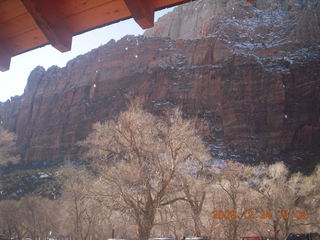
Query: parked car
x: 117, y: 239
x: 4, y: 237
x: 162, y: 239
x: 196, y: 238
x: 255, y: 238
x: 303, y: 236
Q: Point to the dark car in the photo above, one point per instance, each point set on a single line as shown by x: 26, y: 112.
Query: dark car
x: 4, y: 237
x: 303, y: 236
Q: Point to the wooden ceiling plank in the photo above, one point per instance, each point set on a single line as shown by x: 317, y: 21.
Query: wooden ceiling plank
x: 104, y: 15
x: 17, y: 26
x: 29, y: 40
x: 50, y: 22
x: 142, y: 11
x: 10, y: 9
x: 5, y: 57
x: 75, y: 7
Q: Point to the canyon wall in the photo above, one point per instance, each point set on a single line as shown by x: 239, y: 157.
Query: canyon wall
x: 250, y: 73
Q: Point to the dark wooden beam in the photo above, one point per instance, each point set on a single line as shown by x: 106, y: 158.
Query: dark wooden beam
x: 46, y: 16
x: 142, y: 11
x: 5, y: 57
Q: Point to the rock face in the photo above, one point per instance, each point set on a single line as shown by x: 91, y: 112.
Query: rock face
x: 295, y: 20
x: 241, y: 72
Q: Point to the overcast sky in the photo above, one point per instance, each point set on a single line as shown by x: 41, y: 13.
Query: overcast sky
x: 13, y: 81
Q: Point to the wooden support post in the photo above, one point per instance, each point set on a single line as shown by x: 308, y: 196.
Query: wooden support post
x: 142, y: 11
x: 5, y: 57
x: 46, y: 16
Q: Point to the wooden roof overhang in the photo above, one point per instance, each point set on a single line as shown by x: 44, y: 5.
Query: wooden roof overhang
x: 29, y: 24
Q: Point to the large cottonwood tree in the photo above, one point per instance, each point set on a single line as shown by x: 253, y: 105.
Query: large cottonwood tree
x: 139, y: 157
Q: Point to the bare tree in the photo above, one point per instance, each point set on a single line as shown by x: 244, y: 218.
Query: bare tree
x: 288, y: 197
x: 7, y: 147
x: 195, y: 191
x: 11, y: 222
x: 83, y: 212
x: 311, y: 201
x: 174, y: 220
x: 139, y: 157
x: 38, y: 216
x: 234, y: 203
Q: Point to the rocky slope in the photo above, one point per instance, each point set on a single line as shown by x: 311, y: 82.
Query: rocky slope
x: 249, y: 70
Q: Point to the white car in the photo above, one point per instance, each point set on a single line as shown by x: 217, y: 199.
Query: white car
x: 162, y: 239
x: 196, y: 238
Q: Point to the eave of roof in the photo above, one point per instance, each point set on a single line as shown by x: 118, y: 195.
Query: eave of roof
x: 29, y: 24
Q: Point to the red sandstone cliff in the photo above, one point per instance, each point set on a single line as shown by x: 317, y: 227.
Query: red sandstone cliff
x: 258, y: 89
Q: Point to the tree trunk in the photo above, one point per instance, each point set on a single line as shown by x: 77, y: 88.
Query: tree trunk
x: 197, y: 224
x: 145, y: 224
x: 234, y: 230
x: 275, y: 229
x: 144, y: 232
x: 196, y: 208
x: 287, y: 227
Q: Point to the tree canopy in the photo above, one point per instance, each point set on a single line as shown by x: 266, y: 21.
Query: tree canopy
x: 140, y: 157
